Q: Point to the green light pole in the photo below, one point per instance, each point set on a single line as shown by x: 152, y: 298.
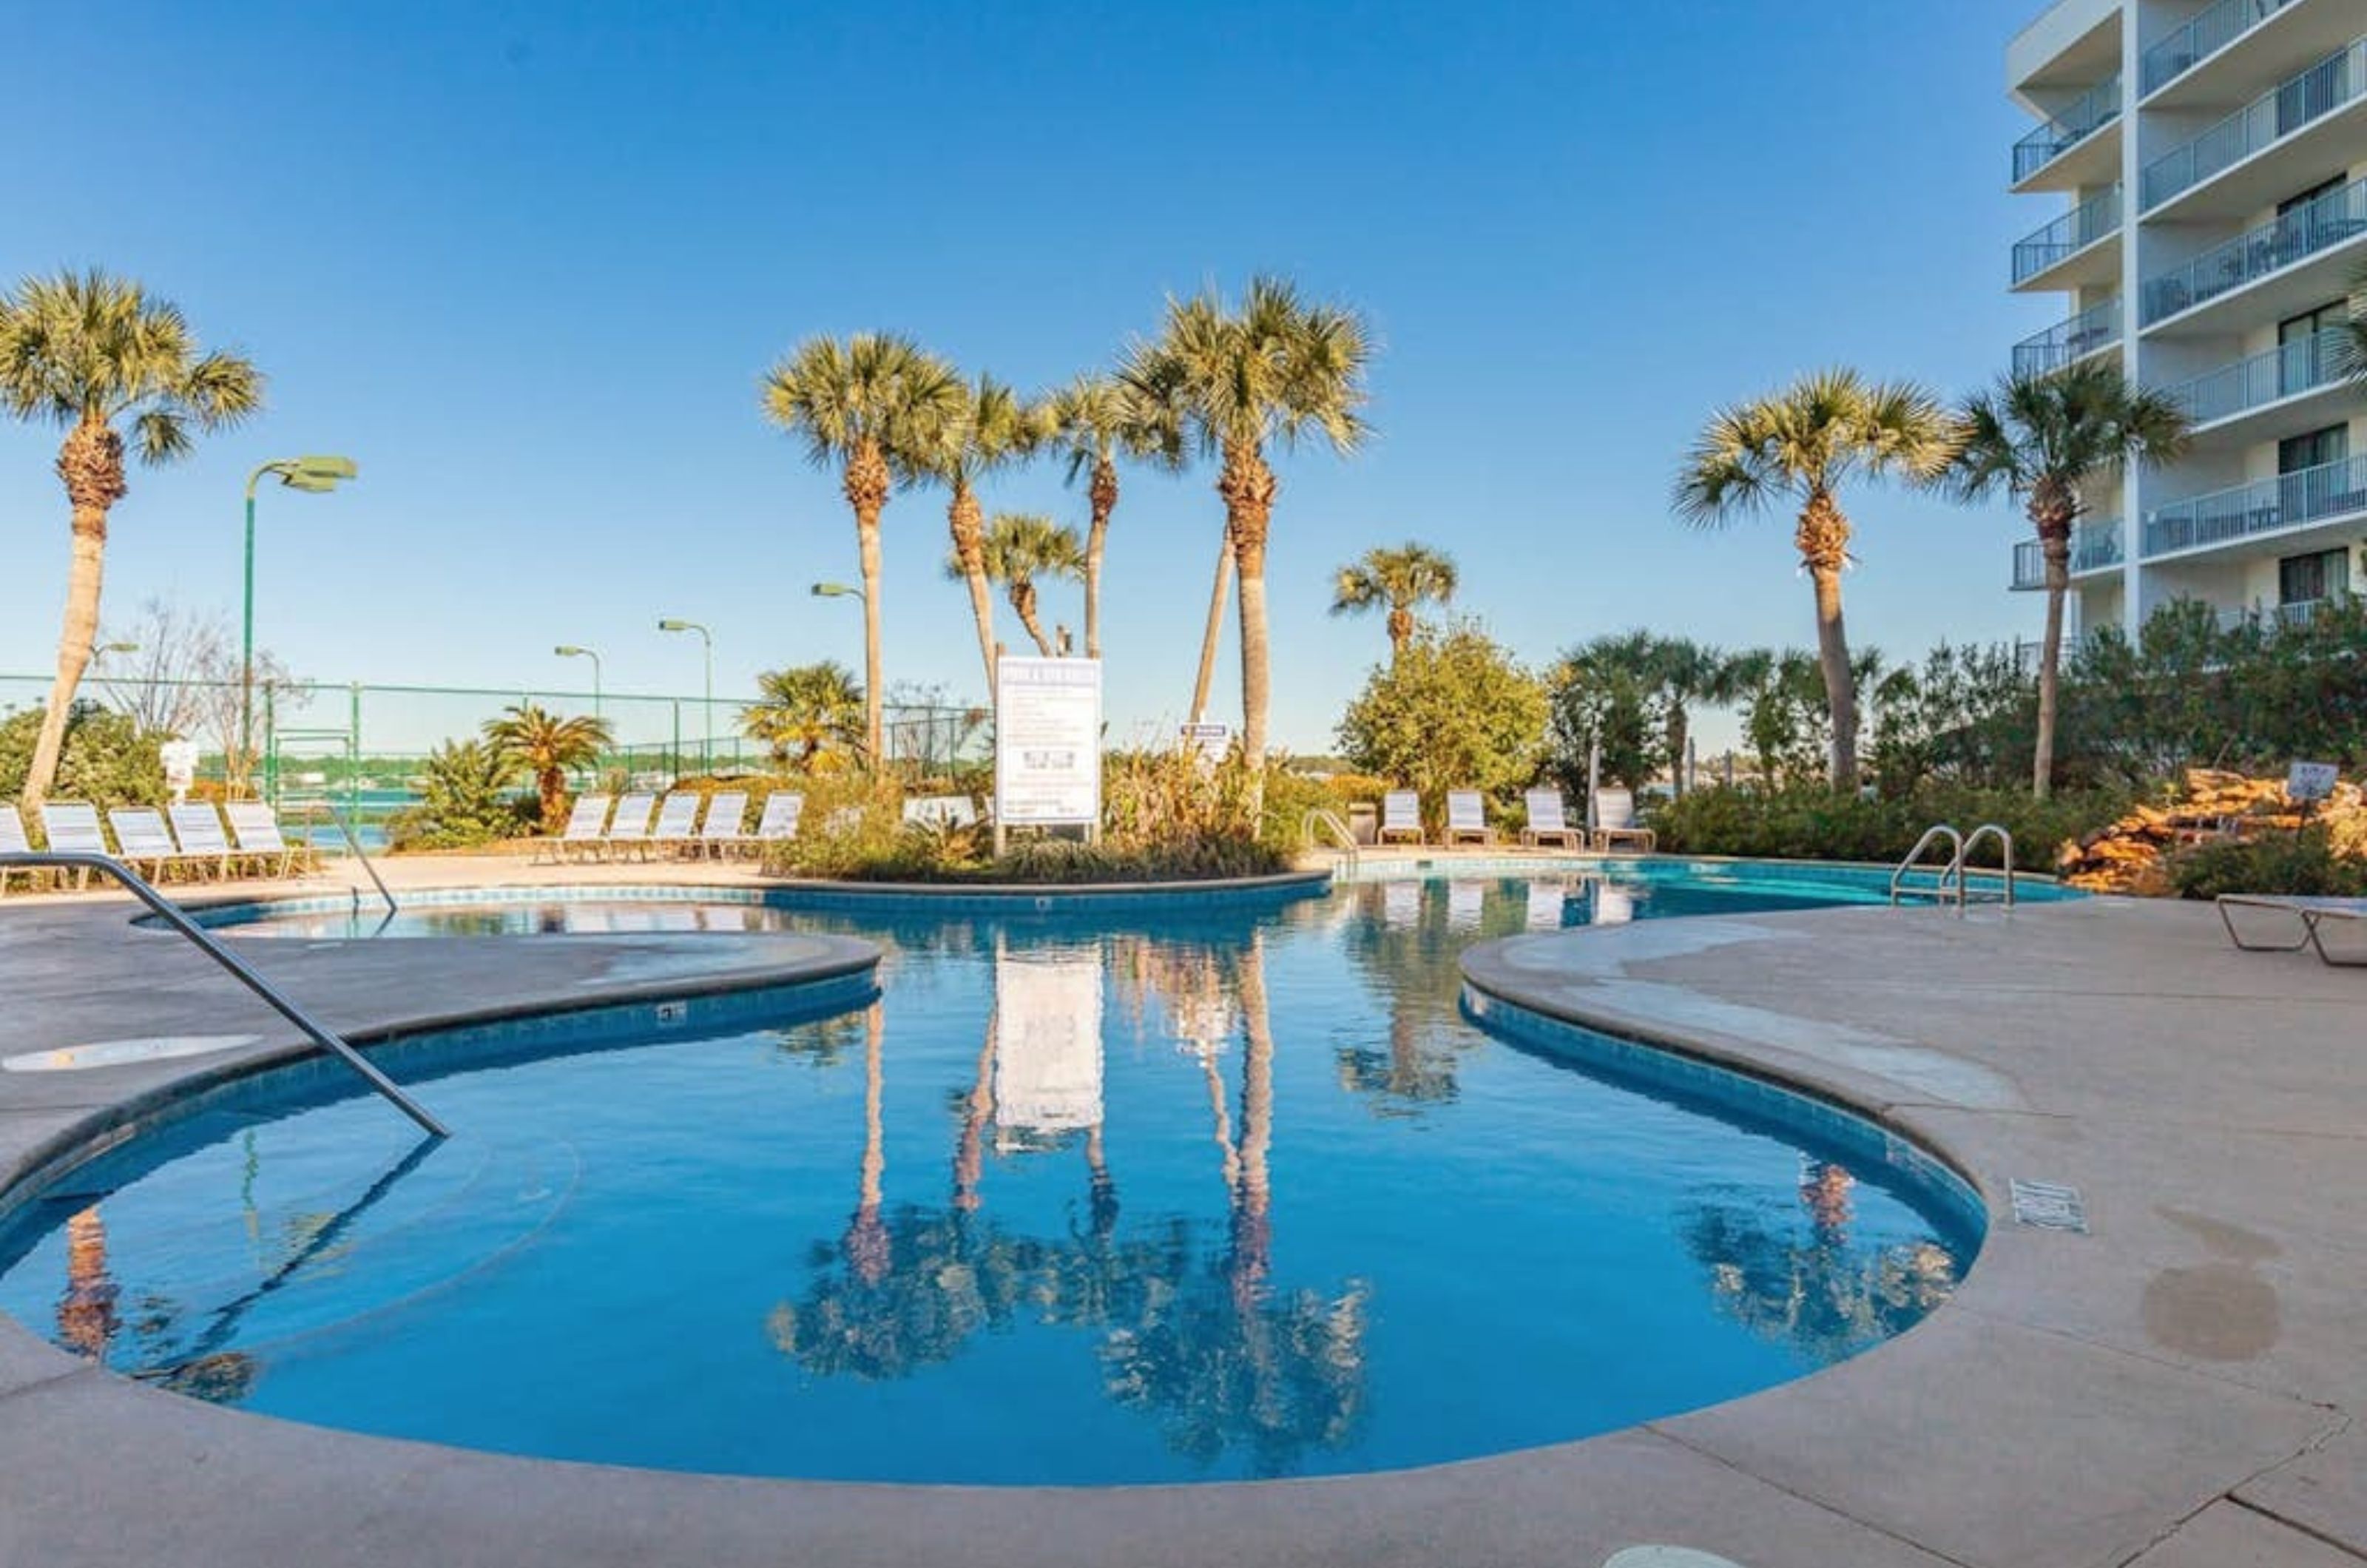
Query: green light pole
x: 569, y: 650
x: 312, y: 475
x: 707, y: 739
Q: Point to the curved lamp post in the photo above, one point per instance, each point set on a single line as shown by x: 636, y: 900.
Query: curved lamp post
x: 312, y: 475
x: 706, y: 740
x: 569, y: 650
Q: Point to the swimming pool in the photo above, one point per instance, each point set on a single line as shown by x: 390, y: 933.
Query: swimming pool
x: 1189, y: 1194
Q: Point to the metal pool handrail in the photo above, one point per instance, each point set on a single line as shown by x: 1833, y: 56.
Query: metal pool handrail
x: 353, y: 843
x: 1321, y: 817
x: 1954, y: 873
x: 171, y: 914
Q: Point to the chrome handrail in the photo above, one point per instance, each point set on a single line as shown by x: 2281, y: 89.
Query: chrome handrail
x: 171, y: 914
x: 353, y: 843
x: 1973, y: 840
x: 1937, y: 833
x: 1323, y: 817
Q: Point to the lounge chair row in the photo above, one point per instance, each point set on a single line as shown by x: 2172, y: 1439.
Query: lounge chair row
x: 1466, y: 820
x: 641, y: 823
x: 189, y: 838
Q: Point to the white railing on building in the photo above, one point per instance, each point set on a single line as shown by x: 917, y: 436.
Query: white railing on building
x: 2094, y: 547
x: 2188, y: 46
x: 2092, y: 221
x: 2334, y: 218
x: 2096, y: 108
x: 2292, y: 615
x: 2265, y: 506
x: 2093, y: 329
x: 2288, y: 370
x: 2289, y: 107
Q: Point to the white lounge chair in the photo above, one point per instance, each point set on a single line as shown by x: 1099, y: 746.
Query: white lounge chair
x: 141, y: 839
x: 198, y: 826
x: 1401, y: 813
x: 2310, y: 914
x: 727, y: 816
x: 1467, y: 818
x: 13, y: 841
x: 677, y: 823
x: 630, y: 829
x: 1614, y: 822
x: 254, y: 830
x: 1549, y: 818
x: 70, y: 827
x: 581, y: 837
x: 779, y: 822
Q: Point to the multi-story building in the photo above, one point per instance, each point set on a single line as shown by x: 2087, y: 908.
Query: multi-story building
x: 2212, y: 155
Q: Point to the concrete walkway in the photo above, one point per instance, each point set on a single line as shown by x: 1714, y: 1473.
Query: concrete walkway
x: 2175, y: 1387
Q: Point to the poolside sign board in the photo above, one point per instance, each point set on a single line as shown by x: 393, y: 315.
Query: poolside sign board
x: 2311, y: 781
x: 1047, y: 742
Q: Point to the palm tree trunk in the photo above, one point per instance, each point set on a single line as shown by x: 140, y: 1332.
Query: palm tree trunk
x: 1400, y: 633
x: 1215, y: 629
x: 1023, y: 598
x: 969, y: 525
x: 1104, y: 502
x: 2055, y: 542
x: 82, y: 581
x: 1840, y: 682
x: 875, y: 713
x: 1679, y: 722
x: 1248, y: 487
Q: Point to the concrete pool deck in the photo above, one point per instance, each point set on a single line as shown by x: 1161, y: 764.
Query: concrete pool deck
x: 2174, y: 1387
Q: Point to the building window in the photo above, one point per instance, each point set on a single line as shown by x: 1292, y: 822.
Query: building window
x: 2306, y: 579
x: 2325, y: 189
x: 2314, y: 450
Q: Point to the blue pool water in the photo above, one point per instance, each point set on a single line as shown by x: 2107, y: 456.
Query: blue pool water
x: 1098, y: 1198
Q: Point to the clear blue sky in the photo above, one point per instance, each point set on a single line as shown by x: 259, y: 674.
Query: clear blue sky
x: 526, y: 262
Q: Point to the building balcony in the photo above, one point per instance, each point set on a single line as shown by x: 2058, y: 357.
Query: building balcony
x: 2209, y: 32
x: 2291, y: 108
x: 2069, y: 128
x: 2296, y: 369
x: 2095, y: 547
x: 2041, y: 260
x: 2297, y: 614
x: 2092, y: 331
x: 2333, y: 219
x: 2328, y: 493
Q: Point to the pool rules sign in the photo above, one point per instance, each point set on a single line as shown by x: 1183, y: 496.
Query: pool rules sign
x: 1047, y: 743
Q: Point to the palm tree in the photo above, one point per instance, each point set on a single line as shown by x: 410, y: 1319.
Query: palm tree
x: 1804, y: 443
x: 1018, y: 549
x: 874, y: 405
x: 994, y: 429
x: 1094, y: 420
x: 805, y: 705
x: 529, y: 739
x: 1402, y: 578
x: 89, y: 352
x: 1237, y: 378
x: 2047, y: 440
x: 1684, y: 672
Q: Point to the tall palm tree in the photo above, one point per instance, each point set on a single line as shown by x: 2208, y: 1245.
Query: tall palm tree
x: 806, y: 705
x: 2047, y: 440
x: 874, y: 405
x: 994, y: 429
x: 1236, y: 379
x: 1094, y: 420
x: 1684, y: 673
x: 1400, y: 579
x: 1019, y: 548
x: 92, y: 352
x: 1804, y: 443
x: 530, y: 738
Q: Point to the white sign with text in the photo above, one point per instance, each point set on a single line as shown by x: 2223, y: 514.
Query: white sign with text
x: 1047, y: 742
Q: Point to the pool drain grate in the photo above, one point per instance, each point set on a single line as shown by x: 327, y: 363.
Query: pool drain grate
x: 2049, y: 1206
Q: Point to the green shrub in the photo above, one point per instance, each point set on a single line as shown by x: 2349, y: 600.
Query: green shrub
x: 1809, y: 822
x: 2301, y: 864
x: 106, y: 759
x: 467, y: 800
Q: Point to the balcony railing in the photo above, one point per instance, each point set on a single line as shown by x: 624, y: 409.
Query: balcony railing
x: 2074, y: 232
x: 2283, y: 109
x: 2337, y: 216
x: 2096, y: 110
x: 2094, y: 547
x: 2296, y: 613
x: 2287, y: 370
x: 2265, y: 506
x: 2093, y: 329
x: 2201, y: 39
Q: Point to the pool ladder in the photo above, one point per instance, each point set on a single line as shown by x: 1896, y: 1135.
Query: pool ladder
x: 1341, y: 839
x: 328, y: 1039
x: 1953, y: 882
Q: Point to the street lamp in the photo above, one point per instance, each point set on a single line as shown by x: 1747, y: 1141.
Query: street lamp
x: 103, y: 649
x: 569, y: 650
x: 312, y: 475
x: 707, y: 741
x: 836, y: 590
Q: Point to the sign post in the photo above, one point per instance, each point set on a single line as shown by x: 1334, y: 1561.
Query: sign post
x: 1047, y: 745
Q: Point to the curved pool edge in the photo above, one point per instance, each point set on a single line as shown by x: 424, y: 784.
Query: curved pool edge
x: 196, y: 1484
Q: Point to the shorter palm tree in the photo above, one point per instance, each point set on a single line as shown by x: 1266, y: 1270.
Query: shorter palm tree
x: 2045, y: 440
x: 1018, y: 548
x: 1402, y: 579
x: 807, y: 706
x: 530, y: 738
x: 1094, y: 420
